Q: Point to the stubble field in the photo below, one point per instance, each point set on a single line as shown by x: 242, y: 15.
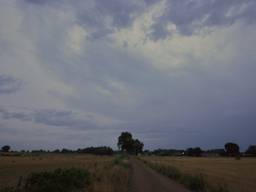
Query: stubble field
x: 233, y: 175
x: 107, y: 175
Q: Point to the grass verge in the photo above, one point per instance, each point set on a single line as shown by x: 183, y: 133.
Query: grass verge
x: 196, y: 182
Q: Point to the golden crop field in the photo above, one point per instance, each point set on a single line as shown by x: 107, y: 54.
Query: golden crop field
x: 107, y: 176
x: 236, y: 175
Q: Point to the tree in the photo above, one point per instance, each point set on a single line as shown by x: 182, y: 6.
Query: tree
x: 125, y: 142
x: 251, y: 150
x: 197, y: 151
x: 128, y: 144
x: 232, y: 149
x: 6, y: 148
x: 137, y: 146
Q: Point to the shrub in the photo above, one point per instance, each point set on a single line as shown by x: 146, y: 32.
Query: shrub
x: 60, y: 180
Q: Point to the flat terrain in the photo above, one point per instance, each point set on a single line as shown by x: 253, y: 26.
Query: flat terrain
x: 107, y: 176
x: 145, y: 179
x: 236, y: 175
x: 114, y: 174
x: 110, y: 174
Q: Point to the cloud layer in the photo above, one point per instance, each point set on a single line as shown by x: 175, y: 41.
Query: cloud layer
x: 175, y: 73
x: 8, y: 84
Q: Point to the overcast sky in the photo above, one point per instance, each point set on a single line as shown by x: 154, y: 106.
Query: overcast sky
x: 175, y: 73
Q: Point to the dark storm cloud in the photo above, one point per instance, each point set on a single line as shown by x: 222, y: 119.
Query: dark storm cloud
x: 8, y: 84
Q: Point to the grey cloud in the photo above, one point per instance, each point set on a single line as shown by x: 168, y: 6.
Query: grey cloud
x: 101, y: 17
x: 37, y: 1
x: 56, y: 118
x: 43, y: 2
x: 64, y: 118
x: 107, y: 16
x: 104, y: 17
x: 159, y: 31
x: 204, y: 102
x: 9, y: 84
x: 206, y: 98
x: 190, y: 16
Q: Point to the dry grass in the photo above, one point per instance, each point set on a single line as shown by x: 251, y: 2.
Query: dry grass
x: 237, y: 175
x: 107, y: 176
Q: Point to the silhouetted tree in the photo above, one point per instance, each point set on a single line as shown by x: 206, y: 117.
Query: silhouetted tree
x: 197, y: 152
x: 128, y: 144
x: 137, y: 146
x: 251, y: 150
x: 6, y: 148
x: 125, y: 142
x: 56, y: 151
x: 232, y: 149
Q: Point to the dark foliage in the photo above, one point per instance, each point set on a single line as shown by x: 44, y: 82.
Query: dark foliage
x: 251, y: 150
x: 220, y: 152
x: 196, y: 152
x: 60, y: 180
x: 137, y: 146
x: 66, y: 151
x: 128, y: 144
x: 6, y: 148
x: 125, y: 142
x: 97, y: 150
x: 232, y: 149
x: 168, y: 152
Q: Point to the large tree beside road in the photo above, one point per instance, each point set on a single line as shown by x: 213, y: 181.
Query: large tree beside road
x: 128, y: 144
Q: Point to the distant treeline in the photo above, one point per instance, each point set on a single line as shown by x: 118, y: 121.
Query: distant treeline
x: 231, y: 149
x: 89, y: 150
x: 102, y: 150
x: 197, y: 151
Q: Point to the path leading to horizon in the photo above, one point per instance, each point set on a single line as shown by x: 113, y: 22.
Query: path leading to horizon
x: 145, y: 179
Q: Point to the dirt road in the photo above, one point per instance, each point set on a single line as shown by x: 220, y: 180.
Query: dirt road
x: 145, y: 179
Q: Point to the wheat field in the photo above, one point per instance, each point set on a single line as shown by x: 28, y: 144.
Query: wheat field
x: 106, y: 175
x: 235, y: 175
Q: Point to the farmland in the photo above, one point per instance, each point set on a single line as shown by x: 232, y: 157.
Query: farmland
x: 233, y: 175
x: 108, y: 174
x: 126, y: 173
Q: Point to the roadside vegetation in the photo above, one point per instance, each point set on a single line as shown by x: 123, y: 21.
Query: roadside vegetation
x: 195, y: 182
x: 207, y: 174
